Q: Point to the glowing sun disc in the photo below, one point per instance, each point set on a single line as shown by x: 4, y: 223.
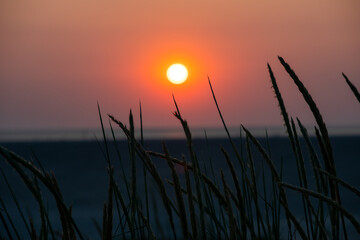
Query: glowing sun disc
x: 177, y: 73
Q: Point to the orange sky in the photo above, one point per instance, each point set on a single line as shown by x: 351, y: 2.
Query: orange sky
x: 58, y: 58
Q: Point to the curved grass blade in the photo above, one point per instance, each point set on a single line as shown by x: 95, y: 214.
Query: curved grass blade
x: 3, y: 208
x: 325, y: 136
x: 16, y: 201
x: 144, y: 156
x: 178, y: 193
x: 352, y: 87
x: 349, y: 216
x: 5, y: 226
x: 15, y: 160
x: 196, y: 171
x: 234, y: 232
x: 277, y: 178
x: 342, y: 182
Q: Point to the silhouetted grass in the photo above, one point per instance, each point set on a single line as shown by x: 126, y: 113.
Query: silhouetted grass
x: 352, y: 87
x: 244, y: 205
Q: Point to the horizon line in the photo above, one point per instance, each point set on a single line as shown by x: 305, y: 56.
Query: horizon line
x: 158, y: 133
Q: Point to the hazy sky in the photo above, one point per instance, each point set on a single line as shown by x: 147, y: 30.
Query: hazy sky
x: 58, y: 58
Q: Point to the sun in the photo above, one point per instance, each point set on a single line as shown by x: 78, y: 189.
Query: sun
x: 177, y: 73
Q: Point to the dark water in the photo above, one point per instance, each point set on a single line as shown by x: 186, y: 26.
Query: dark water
x: 80, y: 168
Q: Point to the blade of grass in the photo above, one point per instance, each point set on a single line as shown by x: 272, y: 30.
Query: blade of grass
x: 282, y: 107
x: 3, y: 208
x: 320, y: 181
x: 33, y: 231
x: 234, y: 232
x: 303, y: 181
x: 144, y: 169
x: 178, y: 193
x: 293, y: 139
x: 109, y: 213
x: 68, y: 230
x: 144, y: 156
x: 118, y: 196
x: 104, y: 137
x: 151, y: 234
x: 15, y: 201
x: 283, y: 199
x: 14, y: 160
x: 6, y: 226
x: 43, y: 212
x: 104, y: 223
x: 206, y: 180
x: 190, y: 202
x: 314, y: 109
x: 349, y: 216
x: 226, y: 129
x: 322, y: 127
x: 121, y: 161
x: 253, y: 188
x: 342, y: 182
x: 133, y: 201
x: 332, y: 210
x: 244, y: 221
x: 196, y: 171
x: 352, y: 87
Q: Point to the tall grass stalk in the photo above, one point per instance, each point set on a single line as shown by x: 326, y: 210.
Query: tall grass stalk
x: 196, y: 169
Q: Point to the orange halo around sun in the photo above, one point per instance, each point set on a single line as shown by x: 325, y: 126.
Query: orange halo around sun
x: 177, y: 73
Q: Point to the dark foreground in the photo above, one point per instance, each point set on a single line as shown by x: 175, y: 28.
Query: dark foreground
x: 80, y: 168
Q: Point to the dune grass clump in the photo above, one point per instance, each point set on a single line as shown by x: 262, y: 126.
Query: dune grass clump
x: 203, y: 203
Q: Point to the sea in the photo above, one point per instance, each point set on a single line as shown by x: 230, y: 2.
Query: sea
x: 78, y: 161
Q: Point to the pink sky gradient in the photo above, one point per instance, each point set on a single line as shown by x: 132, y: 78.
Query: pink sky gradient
x: 58, y: 58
